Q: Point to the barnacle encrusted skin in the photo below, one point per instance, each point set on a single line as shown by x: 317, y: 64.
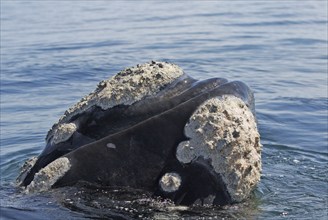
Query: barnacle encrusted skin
x: 224, y: 131
x: 28, y: 164
x: 170, y: 182
x: 63, y: 132
x: 125, y: 88
x: 47, y: 176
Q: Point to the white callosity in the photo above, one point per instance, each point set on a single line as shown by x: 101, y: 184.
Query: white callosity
x: 47, y: 176
x: 224, y: 131
x: 63, y: 132
x: 25, y: 169
x: 125, y: 88
x: 170, y: 182
x: 111, y: 146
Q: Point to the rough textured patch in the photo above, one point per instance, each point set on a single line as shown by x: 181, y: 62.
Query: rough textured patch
x: 25, y: 169
x: 125, y: 88
x: 224, y: 131
x: 170, y: 182
x: 63, y: 132
x: 47, y: 176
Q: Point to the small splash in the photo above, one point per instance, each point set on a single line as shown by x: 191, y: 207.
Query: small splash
x: 296, y: 161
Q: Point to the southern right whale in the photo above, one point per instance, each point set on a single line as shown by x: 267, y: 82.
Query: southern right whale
x: 153, y: 127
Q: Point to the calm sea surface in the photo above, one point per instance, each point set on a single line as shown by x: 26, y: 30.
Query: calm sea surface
x: 55, y: 52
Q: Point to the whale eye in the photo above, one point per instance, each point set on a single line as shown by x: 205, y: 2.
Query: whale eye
x: 170, y: 182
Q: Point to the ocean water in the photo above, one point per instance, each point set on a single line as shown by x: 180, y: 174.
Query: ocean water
x: 55, y: 52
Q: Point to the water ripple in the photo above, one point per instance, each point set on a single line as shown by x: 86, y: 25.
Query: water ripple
x: 55, y: 52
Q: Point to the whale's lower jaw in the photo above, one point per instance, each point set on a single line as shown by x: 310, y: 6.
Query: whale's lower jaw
x: 195, y: 142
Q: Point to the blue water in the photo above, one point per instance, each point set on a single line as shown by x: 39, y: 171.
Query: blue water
x: 55, y: 52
